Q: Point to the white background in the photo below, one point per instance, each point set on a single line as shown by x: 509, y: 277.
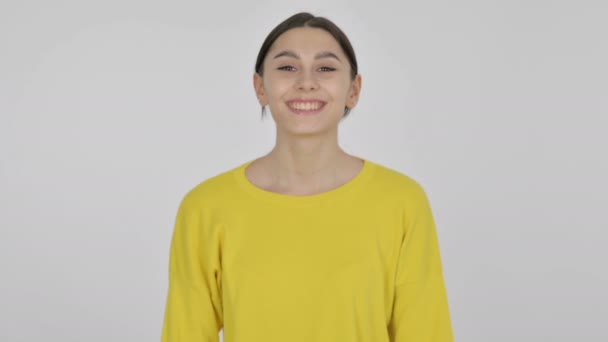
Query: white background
x: 111, y: 110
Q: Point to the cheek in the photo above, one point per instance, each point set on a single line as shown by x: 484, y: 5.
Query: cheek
x: 276, y: 90
x: 279, y: 85
x: 338, y: 90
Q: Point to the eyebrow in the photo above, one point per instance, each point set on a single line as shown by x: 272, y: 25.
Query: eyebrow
x: 323, y: 54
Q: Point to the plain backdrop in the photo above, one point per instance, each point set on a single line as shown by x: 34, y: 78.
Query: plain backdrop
x: 111, y: 110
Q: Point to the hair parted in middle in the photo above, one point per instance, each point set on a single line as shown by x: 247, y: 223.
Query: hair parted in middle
x: 306, y: 19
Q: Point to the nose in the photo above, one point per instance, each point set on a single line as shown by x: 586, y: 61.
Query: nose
x: 306, y: 81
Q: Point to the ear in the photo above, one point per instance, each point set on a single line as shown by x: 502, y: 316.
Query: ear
x: 354, y: 92
x: 258, y: 85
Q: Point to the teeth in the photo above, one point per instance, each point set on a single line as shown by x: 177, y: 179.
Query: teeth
x: 306, y: 106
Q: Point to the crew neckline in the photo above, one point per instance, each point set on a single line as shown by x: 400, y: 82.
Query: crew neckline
x: 295, y: 200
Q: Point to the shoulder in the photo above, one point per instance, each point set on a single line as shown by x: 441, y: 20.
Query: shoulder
x: 211, y: 191
x: 398, y: 184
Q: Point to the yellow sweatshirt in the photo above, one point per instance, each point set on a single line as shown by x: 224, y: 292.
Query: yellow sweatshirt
x: 359, y: 263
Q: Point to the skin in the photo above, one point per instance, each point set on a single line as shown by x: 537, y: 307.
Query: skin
x: 306, y: 158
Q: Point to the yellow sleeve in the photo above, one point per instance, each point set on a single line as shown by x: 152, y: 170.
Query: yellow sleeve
x: 420, y: 308
x: 193, y: 311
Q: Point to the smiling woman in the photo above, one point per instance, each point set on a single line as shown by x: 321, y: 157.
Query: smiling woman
x: 332, y: 35
x: 306, y: 243
x: 306, y: 72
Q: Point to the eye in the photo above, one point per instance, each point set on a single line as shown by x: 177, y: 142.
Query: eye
x: 290, y: 68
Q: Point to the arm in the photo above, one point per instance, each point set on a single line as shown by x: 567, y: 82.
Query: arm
x: 193, y: 311
x: 420, y: 309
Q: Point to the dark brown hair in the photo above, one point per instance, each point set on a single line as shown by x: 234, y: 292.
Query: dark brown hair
x: 305, y: 19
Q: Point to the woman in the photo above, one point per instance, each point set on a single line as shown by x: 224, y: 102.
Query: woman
x: 306, y: 243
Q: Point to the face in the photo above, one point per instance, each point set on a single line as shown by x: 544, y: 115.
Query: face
x: 306, y: 82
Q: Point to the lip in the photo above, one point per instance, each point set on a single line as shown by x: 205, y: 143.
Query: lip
x: 306, y: 112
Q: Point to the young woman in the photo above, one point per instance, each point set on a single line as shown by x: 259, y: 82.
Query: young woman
x: 306, y: 243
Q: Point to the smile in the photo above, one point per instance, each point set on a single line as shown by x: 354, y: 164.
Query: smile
x: 306, y: 107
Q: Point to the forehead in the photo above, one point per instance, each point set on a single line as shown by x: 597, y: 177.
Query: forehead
x: 306, y: 41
